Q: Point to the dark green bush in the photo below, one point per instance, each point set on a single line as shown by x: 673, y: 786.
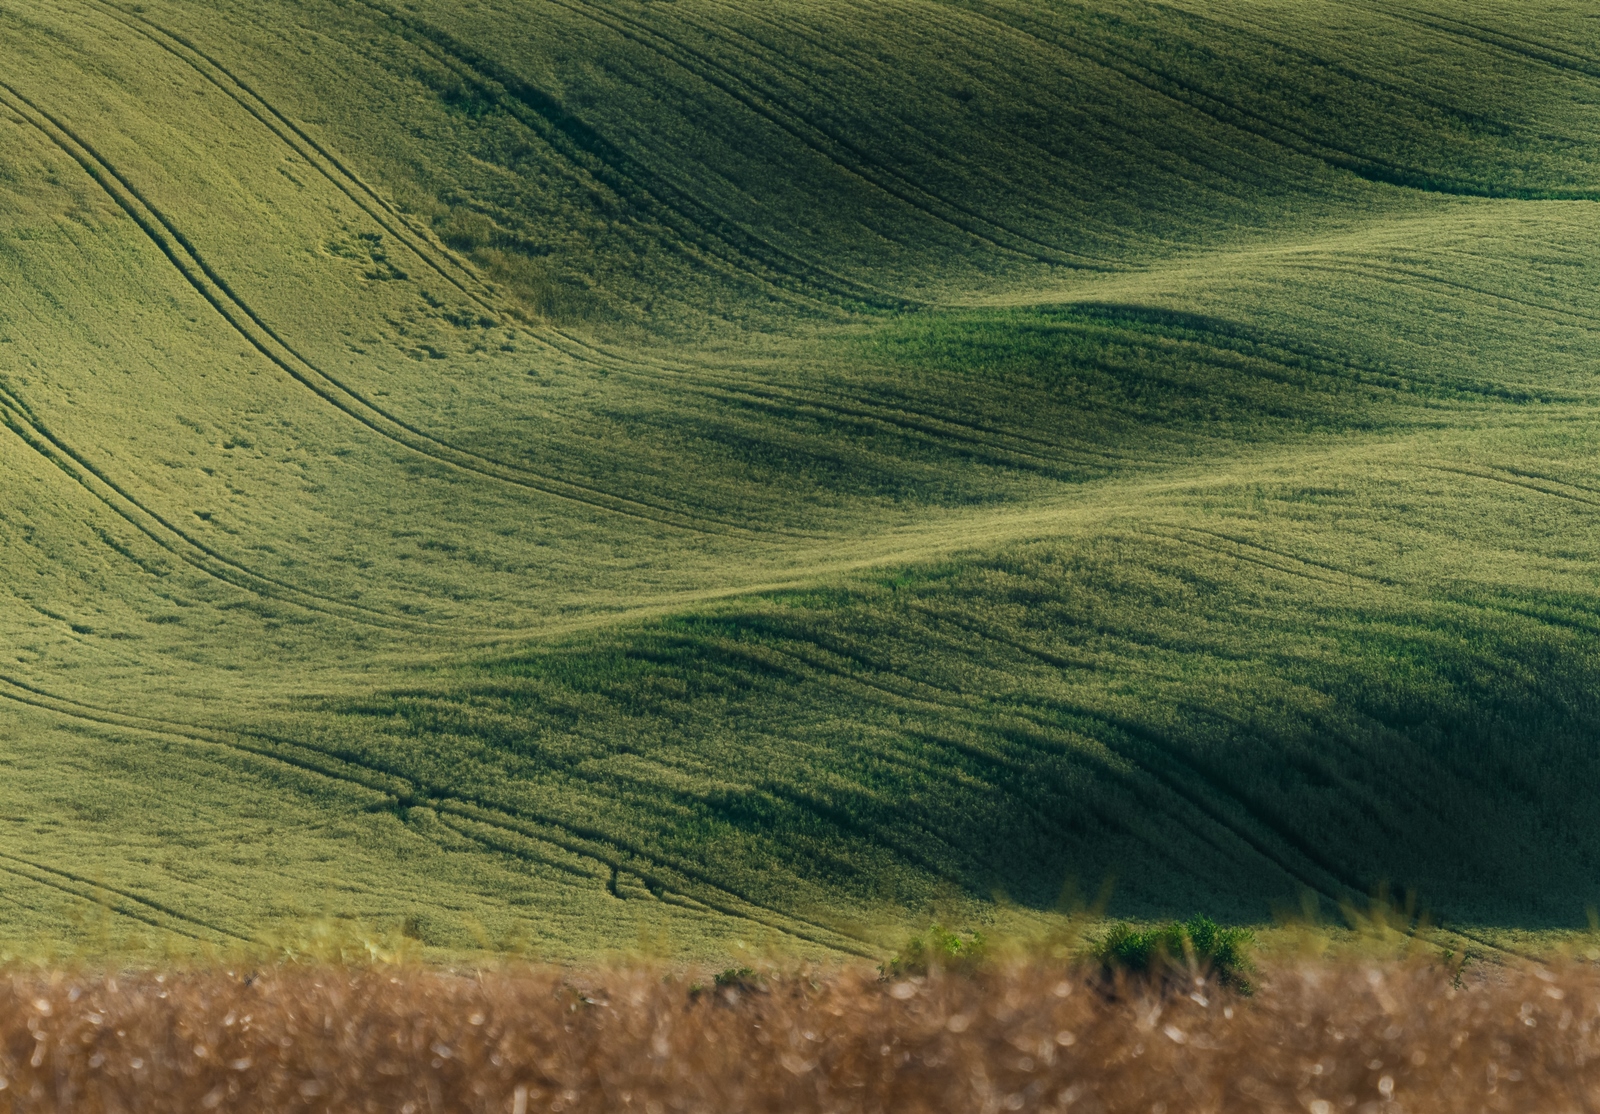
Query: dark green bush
x: 1178, y: 950
x: 737, y: 978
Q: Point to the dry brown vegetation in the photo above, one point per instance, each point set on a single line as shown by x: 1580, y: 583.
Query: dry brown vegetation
x: 1317, y: 1038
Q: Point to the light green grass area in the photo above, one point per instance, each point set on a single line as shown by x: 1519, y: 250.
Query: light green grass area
x: 566, y: 476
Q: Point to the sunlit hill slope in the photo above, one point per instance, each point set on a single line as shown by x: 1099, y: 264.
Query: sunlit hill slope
x: 562, y: 473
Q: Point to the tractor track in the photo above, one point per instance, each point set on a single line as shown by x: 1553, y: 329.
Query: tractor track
x: 605, y: 848
x: 15, y: 416
x: 722, y: 243
x: 214, y: 289
x: 854, y: 162
x: 1242, y: 119
x: 143, y: 909
x: 438, y: 258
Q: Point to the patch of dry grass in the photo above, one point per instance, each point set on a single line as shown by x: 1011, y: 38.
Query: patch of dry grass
x: 1320, y: 1038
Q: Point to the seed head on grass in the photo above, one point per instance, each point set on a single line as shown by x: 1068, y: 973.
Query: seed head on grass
x: 1025, y: 1035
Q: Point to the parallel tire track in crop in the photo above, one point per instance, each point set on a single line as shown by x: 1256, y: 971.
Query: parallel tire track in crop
x: 838, y: 152
x: 442, y: 262
x: 131, y: 905
x: 1240, y: 118
x: 720, y: 242
x: 19, y: 419
x: 606, y: 848
x: 1502, y: 41
x: 437, y: 257
x: 432, y: 254
x: 216, y: 292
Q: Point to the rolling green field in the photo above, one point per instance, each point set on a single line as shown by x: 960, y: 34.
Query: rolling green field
x: 570, y: 475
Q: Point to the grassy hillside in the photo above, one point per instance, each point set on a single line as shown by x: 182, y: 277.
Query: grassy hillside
x: 569, y: 475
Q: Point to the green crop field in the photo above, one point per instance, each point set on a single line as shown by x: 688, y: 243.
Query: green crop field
x: 575, y: 475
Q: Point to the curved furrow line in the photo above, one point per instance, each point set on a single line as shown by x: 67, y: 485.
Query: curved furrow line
x: 1054, y: 253
x: 898, y: 414
x: 931, y: 426
x: 16, y: 417
x: 916, y: 762
x: 133, y: 914
x: 55, y: 873
x: 214, y: 289
x: 1176, y: 533
x: 688, y: 799
x: 985, y: 633
x: 581, y: 840
x: 1242, y: 119
x: 953, y: 700
x: 771, y: 55
x: 660, y: 874
x: 864, y: 165
x: 1418, y: 273
x: 991, y: 449
x: 935, y: 423
x: 1111, y: 62
x: 742, y: 252
x: 1230, y: 539
x: 1523, y: 484
x: 1235, y: 555
x: 501, y: 842
x: 1073, y: 216
x: 1370, y: 266
x: 1206, y: 27
x: 298, y: 757
x: 858, y: 165
x: 436, y: 256
x: 1531, y: 475
x: 1510, y: 44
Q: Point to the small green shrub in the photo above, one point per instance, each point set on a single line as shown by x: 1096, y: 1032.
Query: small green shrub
x: 737, y: 978
x: 937, y: 949
x: 1180, y: 949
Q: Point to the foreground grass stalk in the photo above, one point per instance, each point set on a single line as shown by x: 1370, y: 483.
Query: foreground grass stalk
x: 1317, y: 1038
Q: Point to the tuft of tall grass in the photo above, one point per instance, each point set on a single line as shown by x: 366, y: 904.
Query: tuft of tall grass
x: 1026, y: 1036
x: 937, y: 949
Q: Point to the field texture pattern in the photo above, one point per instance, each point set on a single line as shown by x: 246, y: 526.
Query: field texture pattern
x: 744, y: 476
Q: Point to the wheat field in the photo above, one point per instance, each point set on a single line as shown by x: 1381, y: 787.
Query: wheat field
x: 1370, y: 1036
x: 537, y: 475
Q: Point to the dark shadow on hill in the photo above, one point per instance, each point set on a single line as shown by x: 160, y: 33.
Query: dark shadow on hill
x: 1213, y: 741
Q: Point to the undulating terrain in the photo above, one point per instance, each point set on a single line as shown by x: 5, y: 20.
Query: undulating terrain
x: 565, y: 475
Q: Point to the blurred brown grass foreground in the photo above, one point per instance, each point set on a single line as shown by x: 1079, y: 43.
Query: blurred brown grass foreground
x: 1317, y: 1037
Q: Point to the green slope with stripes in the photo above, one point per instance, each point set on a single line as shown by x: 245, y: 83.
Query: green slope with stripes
x: 557, y: 474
